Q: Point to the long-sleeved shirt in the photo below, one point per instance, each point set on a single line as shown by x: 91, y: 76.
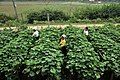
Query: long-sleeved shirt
x: 62, y: 43
x: 86, y: 32
x: 36, y: 34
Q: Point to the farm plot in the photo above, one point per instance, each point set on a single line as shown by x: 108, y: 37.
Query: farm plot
x: 87, y: 58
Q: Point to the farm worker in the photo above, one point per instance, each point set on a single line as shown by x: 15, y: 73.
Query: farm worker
x: 36, y: 34
x: 63, y: 44
x: 86, y: 31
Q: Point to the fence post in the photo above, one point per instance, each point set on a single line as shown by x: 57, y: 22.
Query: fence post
x: 22, y: 16
x: 15, y: 9
x: 48, y: 19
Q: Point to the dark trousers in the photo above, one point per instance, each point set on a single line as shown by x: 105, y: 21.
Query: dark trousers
x: 35, y: 39
x: 64, y: 50
x: 88, y: 38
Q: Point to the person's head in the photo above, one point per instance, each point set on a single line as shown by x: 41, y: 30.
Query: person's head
x: 63, y: 36
x: 34, y: 30
x: 86, y: 28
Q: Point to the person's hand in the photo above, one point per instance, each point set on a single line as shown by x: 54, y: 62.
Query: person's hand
x: 32, y: 35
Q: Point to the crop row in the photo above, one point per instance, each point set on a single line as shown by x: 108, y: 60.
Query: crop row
x: 87, y: 58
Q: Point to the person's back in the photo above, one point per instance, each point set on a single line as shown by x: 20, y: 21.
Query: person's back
x: 35, y: 35
x: 63, y: 45
x: 86, y: 31
x: 62, y: 42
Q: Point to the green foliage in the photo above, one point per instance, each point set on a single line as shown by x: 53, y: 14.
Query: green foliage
x: 4, y: 18
x: 45, y: 57
x: 15, y: 23
x: 103, y: 12
x: 15, y: 52
x: 107, y: 49
x: 81, y: 55
x: 117, y: 19
x: 42, y: 16
x: 89, y: 56
x: 70, y: 12
x: 111, y: 32
x: 6, y: 36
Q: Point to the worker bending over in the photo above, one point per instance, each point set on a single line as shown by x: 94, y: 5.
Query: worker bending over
x: 86, y: 31
x: 35, y: 35
x: 63, y: 45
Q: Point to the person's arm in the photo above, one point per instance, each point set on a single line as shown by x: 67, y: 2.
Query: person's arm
x: 62, y: 43
x: 87, y: 33
x: 33, y: 34
x: 37, y: 33
x: 82, y: 31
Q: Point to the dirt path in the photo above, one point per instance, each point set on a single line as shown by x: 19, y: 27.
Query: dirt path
x: 63, y: 26
x: 57, y: 26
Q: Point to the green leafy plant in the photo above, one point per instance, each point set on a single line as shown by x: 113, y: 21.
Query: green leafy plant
x: 88, y: 57
x: 107, y: 49
x: 42, y: 16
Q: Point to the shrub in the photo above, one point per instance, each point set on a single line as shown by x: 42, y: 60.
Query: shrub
x: 117, y: 19
x: 103, y: 12
x: 4, y: 18
x: 99, y: 20
x: 14, y: 23
x: 32, y: 16
x: 42, y: 16
x: 111, y: 20
x: 73, y: 20
x: 85, y: 21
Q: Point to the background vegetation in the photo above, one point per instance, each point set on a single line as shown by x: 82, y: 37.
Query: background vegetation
x: 81, y: 13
